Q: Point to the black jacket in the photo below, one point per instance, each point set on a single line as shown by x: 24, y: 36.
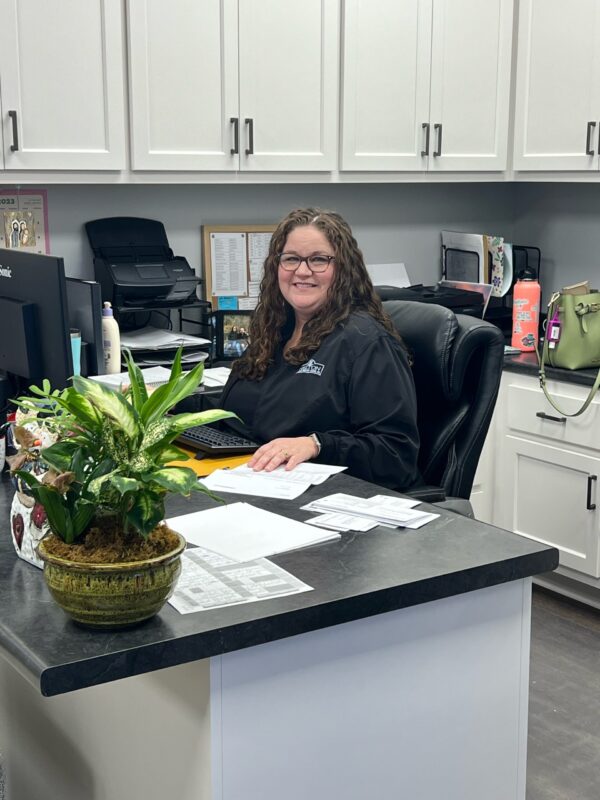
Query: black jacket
x: 356, y: 393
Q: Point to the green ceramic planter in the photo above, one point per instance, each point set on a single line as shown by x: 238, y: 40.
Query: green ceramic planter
x: 112, y: 595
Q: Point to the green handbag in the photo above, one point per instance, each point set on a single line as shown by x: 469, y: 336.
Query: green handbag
x: 572, y: 339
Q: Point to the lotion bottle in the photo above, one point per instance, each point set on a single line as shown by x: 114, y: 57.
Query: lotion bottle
x: 111, y: 341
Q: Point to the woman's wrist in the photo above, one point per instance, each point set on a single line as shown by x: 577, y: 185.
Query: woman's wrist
x: 315, y: 440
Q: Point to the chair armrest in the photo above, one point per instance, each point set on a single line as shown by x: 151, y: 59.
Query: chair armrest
x: 428, y: 494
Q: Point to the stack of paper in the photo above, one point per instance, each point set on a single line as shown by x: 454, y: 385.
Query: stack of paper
x: 150, y: 338
x: 153, y: 377
x: 243, y: 532
x: 215, y: 376
x: 281, y: 483
x: 395, y: 512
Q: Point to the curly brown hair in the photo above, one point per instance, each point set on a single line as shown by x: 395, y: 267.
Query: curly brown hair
x: 273, y: 320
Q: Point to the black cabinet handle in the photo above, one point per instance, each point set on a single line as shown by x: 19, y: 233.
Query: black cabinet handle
x: 236, y: 135
x: 425, y: 126
x: 15, y: 131
x: 589, y: 505
x: 543, y: 415
x: 250, y: 123
x: 588, y: 138
x: 437, y: 127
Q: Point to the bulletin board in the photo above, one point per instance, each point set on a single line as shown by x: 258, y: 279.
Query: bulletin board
x: 233, y: 258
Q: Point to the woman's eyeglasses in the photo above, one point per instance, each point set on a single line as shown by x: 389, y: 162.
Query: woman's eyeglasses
x: 317, y: 263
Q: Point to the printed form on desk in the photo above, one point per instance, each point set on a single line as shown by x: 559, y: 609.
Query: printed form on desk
x: 391, y: 512
x: 209, y: 580
x: 228, y: 564
x: 280, y: 483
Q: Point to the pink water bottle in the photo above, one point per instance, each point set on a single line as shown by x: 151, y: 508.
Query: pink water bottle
x: 526, y: 311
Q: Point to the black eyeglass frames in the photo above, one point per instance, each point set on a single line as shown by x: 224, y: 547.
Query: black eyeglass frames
x: 316, y: 263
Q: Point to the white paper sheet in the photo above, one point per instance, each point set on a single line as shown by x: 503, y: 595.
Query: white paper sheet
x: 258, y: 484
x: 242, y: 532
x: 342, y: 522
x: 150, y: 338
x: 209, y: 580
x: 216, y: 376
x: 153, y: 376
x: 388, y: 274
x: 314, y: 474
x: 396, y: 511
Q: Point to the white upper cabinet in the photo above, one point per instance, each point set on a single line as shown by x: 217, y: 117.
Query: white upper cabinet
x: 228, y: 85
x: 183, y: 74
x: 426, y: 84
x: 289, y: 57
x: 386, y: 75
x: 61, y: 85
x: 470, y: 84
x: 557, y: 114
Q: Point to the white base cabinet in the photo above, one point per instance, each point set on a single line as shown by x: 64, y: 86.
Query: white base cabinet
x: 542, y: 470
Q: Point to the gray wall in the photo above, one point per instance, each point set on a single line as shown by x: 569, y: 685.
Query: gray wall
x: 392, y: 222
x: 563, y: 220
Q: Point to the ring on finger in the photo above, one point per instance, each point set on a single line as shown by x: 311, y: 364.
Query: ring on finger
x: 285, y: 454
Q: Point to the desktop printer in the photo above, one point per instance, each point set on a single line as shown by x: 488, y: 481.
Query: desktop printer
x: 135, y: 265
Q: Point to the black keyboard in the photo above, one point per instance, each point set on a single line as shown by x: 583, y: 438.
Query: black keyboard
x: 213, y: 442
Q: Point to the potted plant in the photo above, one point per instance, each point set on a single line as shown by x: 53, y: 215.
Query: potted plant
x: 110, y: 560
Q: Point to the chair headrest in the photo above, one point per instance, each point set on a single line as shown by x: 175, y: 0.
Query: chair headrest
x: 429, y: 332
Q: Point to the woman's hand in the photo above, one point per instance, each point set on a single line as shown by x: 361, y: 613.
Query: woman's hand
x: 290, y: 452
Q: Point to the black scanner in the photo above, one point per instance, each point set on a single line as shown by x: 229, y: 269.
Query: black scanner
x: 135, y: 265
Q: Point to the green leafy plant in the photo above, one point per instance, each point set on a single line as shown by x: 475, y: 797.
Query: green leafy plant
x: 113, y: 451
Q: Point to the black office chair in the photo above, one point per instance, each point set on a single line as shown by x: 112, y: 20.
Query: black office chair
x: 457, y: 369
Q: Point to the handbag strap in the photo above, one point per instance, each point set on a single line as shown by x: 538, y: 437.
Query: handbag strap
x: 542, y: 376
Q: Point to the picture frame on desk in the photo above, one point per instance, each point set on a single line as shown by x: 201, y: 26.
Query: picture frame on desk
x: 231, y: 333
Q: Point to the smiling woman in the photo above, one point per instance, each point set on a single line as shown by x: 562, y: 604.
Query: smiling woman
x: 325, y: 375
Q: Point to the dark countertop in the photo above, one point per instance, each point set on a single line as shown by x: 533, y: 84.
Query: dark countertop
x: 527, y: 364
x: 360, y: 575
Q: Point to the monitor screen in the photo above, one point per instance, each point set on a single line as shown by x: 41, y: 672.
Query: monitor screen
x: 33, y: 287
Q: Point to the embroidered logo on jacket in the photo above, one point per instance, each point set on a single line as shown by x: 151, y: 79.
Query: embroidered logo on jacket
x: 311, y: 367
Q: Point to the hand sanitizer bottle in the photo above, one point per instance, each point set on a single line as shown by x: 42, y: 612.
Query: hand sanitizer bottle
x: 111, y: 341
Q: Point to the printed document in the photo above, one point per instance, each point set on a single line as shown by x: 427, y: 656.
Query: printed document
x: 210, y: 580
x: 280, y: 483
x: 390, y: 511
x: 243, y: 532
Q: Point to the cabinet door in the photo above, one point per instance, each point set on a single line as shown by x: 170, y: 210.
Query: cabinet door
x: 386, y: 68
x: 558, y: 85
x: 289, y: 54
x: 183, y: 73
x: 545, y: 494
x: 61, y: 71
x: 470, y: 84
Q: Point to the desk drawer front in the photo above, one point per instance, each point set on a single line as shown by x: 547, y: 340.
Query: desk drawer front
x: 530, y: 412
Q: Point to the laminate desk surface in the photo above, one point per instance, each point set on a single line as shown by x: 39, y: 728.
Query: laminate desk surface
x: 357, y: 576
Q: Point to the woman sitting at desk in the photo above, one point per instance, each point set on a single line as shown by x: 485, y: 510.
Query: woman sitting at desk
x: 325, y: 375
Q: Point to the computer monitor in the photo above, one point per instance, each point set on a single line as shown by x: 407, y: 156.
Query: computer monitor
x: 34, y: 320
x: 84, y: 299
